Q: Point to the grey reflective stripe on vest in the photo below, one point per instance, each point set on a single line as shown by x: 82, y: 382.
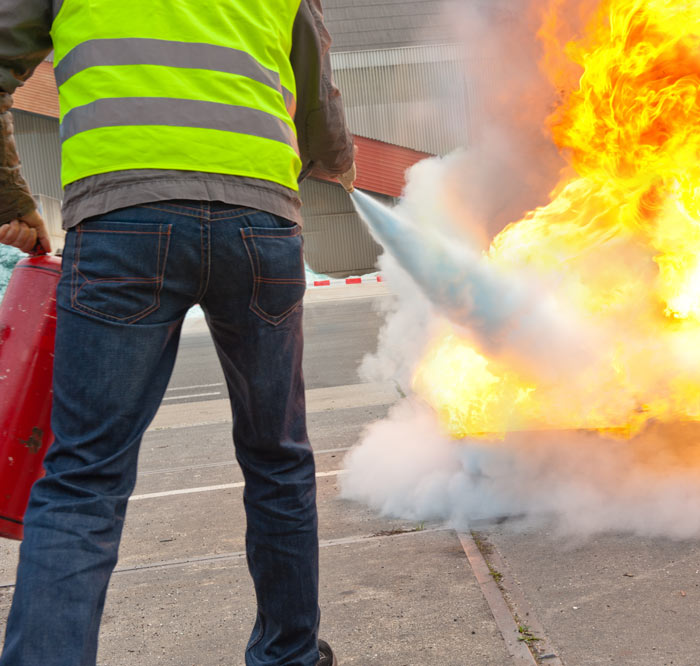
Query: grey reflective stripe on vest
x: 136, y: 111
x: 138, y: 51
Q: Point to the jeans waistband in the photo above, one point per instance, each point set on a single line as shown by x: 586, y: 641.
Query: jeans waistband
x: 212, y: 210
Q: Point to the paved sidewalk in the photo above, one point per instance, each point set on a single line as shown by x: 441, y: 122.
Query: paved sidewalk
x: 613, y: 599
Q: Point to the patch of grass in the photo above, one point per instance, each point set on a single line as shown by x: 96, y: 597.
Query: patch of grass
x: 526, y: 635
x: 482, y: 544
x: 485, y: 548
x: 400, y: 530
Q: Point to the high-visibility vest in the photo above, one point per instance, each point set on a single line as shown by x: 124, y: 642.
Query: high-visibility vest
x: 191, y: 85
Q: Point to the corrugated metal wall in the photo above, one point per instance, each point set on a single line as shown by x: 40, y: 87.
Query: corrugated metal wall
x: 417, y: 97
x: 40, y: 151
x: 336, y: 242
x: 50, y: 210
x: 363, y: 24
x: 413, y: 96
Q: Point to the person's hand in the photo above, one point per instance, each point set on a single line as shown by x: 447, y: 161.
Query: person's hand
x: 25, y: 231
x: 347, y: 179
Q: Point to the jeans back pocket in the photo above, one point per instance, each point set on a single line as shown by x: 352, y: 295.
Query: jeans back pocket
x: 277, y: 263
x: 117, y: 268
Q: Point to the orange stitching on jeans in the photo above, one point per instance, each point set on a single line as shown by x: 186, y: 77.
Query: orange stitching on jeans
x: 275, y: 319
x: 172, y: 205
x: 122, y: 231
x: 81, y: 306
x: 162, y: 274
x: 201, y: 259
x: 256, y: 273
x: 253, y: 296
x: 176, y: 208
x: 258, y: 263
x: 158, y: 280
x: 254, y: 305
x: 205, y: 284
x: 140, y: 314
x: 294, y: 229
x: 114, y: 279
x: 162, y: 268
x: 228, y: 218
x: 256, y: 276
x: 74, y: 272
x: 174, y: 212
x: 121, y: 279
x: 294, y: 235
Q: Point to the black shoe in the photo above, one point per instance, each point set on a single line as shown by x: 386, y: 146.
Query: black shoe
x: 327, y: 656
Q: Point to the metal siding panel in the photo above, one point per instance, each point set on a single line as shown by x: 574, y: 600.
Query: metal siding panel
x: 414, y: 97
x: 356, y: 24
x: 50, y: 210
x: 40, y: 150
x: 321, y: 198
x: 340, y: 246
x: 336, y: 241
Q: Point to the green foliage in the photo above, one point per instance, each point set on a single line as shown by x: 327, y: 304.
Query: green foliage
x: 526, y: 636
x: 9, y: 256
x: 496, y: 575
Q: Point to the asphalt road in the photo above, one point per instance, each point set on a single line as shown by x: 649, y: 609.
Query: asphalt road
x: 337, y: 334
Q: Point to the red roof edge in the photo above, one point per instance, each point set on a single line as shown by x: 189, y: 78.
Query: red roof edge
x: 381, y: 166
x: 39, y: 94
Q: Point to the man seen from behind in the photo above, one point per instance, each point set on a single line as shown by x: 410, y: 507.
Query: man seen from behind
x: 185, y: 127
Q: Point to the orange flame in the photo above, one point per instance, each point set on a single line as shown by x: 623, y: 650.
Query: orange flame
x: 619, y: 242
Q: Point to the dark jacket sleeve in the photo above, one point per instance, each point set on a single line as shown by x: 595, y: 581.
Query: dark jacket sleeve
x: 24, y: 42
x: 325, y: 142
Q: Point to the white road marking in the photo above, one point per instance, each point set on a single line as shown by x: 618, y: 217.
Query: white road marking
x: 327, y: 543
x: 206, y: 489
x: 224, y: 463
x: 196, y: 386
x: 210, y: 559
x: 193, y: 395
x: 209, y: 412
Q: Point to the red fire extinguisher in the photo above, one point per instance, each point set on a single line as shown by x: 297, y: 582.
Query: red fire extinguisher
x: 27, y: 333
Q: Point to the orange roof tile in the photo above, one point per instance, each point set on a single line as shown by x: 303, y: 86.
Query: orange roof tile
x: 381, y: 167
x: 39, y: 94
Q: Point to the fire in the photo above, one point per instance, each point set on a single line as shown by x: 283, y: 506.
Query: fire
x: 619, y: 243
x: 472, y: 397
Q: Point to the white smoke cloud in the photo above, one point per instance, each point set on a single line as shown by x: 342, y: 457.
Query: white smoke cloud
x: 406, y: 331
x: 510, y: 165
x: 582, y: 482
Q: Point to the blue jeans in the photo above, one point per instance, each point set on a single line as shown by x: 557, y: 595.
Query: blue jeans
x: 128, y: 279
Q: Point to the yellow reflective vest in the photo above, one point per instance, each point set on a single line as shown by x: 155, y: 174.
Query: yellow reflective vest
x: 177, y: 84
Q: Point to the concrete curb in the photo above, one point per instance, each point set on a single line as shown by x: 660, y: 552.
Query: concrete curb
x: 518, y: 650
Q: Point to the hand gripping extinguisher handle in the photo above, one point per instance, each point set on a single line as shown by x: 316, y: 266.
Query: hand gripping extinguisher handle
x: 38, y: 250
